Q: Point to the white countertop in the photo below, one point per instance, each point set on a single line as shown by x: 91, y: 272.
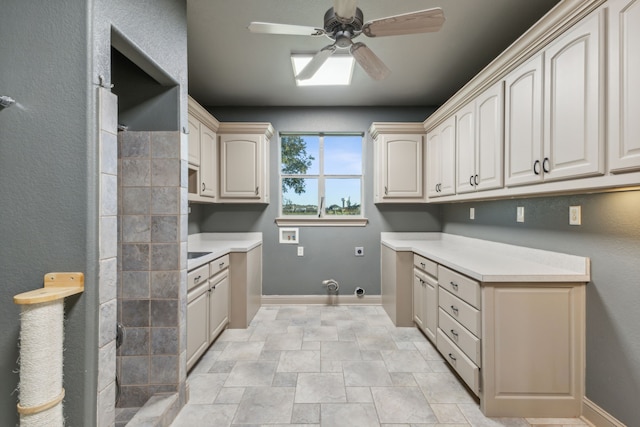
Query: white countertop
x: 219, y: 244
x: 488, y: 261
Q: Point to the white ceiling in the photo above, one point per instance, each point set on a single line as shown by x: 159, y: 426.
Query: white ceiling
x: 229, y: 66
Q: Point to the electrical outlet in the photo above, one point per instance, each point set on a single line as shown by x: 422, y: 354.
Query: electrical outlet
x: 300, y: 250
x: 359, y: 251
x: 575, y: 215
x: 472, y: 213
x: 520, y: 214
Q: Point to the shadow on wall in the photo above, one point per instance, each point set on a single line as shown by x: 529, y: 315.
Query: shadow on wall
x: 225, y: 218
x: 403, y: 218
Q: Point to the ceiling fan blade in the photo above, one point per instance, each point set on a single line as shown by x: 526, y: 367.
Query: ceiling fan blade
x: 369, y: 61
x: 422, y: 21
x: 285, y: 29
x: 316, y: 62
x: 345, y: 9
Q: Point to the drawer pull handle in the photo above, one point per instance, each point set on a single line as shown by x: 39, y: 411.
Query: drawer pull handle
x: 454, y: 285
x: 454, y: 333
x: 221, y: 265
x: 452, y: 357
x: 197, y: 279
x: 423, y: 265
x: 454, y: 309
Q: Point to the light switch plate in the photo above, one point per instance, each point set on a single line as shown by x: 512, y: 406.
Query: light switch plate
x: 472, y: 213
x: 575, y: 215
x: 520, y: 214
x: 300, y: 250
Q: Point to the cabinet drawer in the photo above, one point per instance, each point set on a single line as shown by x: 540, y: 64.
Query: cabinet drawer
x: 465, y: 340
x: 461, y: 286
x: 425, y: 264
x: 197, y: 276
x: 218, y: 264
x: 465, y: 314
x: 467, y: 370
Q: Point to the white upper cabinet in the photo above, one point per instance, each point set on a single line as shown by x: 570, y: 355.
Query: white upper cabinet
x: 208, y: 169
x: 194, y: 139
x: 573, y: 123
x: 398, y: 162
x: 624, y: 85
x: 465, y: 149
x: 202, y: 169
x: 479, y: 148
x: 244, y: 168
x: 523, y: 123
x: 441, y: 162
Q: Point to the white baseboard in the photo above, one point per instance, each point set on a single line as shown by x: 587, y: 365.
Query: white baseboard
x: 321, y: 299
x: 597, y: 416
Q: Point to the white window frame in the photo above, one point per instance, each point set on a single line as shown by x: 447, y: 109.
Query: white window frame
x: 321, y: 219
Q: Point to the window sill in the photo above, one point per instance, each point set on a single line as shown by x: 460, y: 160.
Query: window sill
x: 321, y: 222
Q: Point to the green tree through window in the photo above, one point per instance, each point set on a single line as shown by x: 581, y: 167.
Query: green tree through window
x: 295, y: 160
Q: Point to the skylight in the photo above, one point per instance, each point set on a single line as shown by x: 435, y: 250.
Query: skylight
x: 336, y: 71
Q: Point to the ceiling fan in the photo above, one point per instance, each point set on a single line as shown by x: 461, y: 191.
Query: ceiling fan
x: 344, y: 22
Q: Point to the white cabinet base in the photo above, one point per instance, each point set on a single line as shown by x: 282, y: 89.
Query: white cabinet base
x: 533, y: 350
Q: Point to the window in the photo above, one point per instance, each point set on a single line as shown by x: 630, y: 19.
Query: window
x: 321, y: 178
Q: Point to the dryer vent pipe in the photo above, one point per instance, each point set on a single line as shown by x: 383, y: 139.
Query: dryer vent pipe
x: 332, y: 285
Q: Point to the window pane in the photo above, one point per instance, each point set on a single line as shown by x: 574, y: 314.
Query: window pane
x: 300, y: 154
x: 343, y: 154
x: 343, y: 197
x: 299, y: 196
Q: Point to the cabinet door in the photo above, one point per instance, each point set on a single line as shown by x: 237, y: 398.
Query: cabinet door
x: 402, y: 172
x: 489, y: 138
x: 624, y: 85
x: 208, y: 169
x: 573, y: 81
x: 448, y: 158
x: 240, y: 166
x: 194, y: 140
x: 197, y: 323
x: 218, y: 304
x: 431, y: 309
x: 418, y: 299
x: 523, y: 123
x: 441, y: 162
x: 434, y: 163
x: 465, y: 149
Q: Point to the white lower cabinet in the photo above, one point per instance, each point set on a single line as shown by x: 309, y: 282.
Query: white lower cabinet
x: 245, y: 292
x: 207, y: 306
x: 519, y: 346
x: 425, y: 295
x: 197, y: 331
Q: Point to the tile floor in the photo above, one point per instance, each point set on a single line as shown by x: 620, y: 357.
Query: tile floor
x: 330, y: 366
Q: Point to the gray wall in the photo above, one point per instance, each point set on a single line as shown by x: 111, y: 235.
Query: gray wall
x: 46, y: 215
x: 610, y: 237
x: 328, y: 251
x: 52, y: 54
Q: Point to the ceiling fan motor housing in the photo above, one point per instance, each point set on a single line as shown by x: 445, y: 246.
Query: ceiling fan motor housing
x: 339, y: 30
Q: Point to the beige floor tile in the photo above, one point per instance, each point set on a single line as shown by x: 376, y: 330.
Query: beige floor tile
x: 306, y: 413
x: 242, y: 351
x: 331, y: 366
x: 265, y: 405
x: 402, y: 405
x: 367, y: 374
x: 299, y: 361
x: 320, y: 388
x: 205, y: 415
x: 348, y: 415
x: 247, y: 373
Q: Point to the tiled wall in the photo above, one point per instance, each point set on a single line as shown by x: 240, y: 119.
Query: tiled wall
x: 108, y: 199
x: 152, y: 240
